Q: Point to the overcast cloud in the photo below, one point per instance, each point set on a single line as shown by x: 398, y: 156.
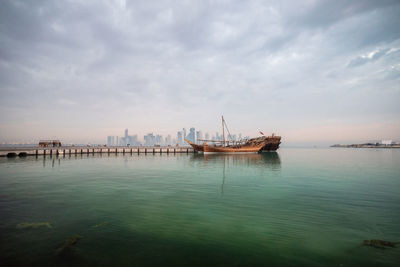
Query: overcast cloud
x: 307, y: 70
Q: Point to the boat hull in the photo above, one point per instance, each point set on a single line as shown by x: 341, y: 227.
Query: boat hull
x: 198, y: 148
x: 271, y: 143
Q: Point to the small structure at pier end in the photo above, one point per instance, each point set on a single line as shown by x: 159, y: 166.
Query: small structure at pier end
x: 49, y: 143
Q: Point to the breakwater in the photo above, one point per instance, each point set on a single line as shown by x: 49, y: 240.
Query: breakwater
x: 64, y: 151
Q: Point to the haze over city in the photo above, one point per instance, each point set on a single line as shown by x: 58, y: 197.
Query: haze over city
x: 310, y: 71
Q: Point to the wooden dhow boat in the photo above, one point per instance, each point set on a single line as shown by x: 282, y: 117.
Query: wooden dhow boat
x: 253, y: 145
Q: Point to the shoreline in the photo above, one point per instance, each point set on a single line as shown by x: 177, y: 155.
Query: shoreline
x: 366, y: 146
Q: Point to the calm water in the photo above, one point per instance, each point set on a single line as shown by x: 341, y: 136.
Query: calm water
x: 305, y: 207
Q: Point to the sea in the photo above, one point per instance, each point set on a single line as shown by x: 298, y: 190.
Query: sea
x: 293, y: 207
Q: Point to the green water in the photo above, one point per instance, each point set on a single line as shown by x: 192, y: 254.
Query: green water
x: 297, y: 207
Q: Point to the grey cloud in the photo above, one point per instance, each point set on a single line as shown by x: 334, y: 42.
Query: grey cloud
x: 361, y: 60
x: 324, y: 13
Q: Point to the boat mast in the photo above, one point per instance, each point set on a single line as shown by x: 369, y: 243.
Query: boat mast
x: 223, y: 130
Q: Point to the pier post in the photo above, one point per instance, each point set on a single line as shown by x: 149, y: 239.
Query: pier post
x: 174, y: 150
x: 187, y: 151
x: 51, y: 152
x: 154, y: 150
x: 145, y: 151
x: 36, y: 152
x: 108, y: 151
x: 123, y: 151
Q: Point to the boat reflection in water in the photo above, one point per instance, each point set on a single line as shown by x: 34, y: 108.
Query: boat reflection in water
x: 268, y: 160
x: 233, y: 163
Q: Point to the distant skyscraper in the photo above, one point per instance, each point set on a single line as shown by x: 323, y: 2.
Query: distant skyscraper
x: 179, y: 138
x: 159, y: 140
x: 207, y: 137
x: 168, y: 140
x: 110, y: 140
x: 169, y: 137
x: 125, y: 139
x: 184, y: 133
x: 199, y: 135
x: 133, y: 140
x: 149, y: 139
x: 192, y: 135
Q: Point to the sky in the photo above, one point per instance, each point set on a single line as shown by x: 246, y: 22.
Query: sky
x: 310, y: 71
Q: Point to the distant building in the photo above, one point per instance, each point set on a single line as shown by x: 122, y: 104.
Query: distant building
x: 168, y: 140
x: 387, y: 142
x: 217, y: 136
x: 110, y: 140
x: 159, y: 140
x: 192, y: 135
x: 149, y: 139
x: 199, y: 135
x: 179, y: 138
x: 184, y: 133
x: 207, y: 136
x: 123, y: 141
x: 49, y: 143
x: 132, y: 140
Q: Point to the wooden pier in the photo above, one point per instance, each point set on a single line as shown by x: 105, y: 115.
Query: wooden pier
x: 72, y: 150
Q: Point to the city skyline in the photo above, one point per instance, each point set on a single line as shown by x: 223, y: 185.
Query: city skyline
x: 154, y: 138
x: 312, y: 72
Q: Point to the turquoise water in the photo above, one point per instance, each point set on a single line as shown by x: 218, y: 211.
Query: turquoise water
x: 297, y: 207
